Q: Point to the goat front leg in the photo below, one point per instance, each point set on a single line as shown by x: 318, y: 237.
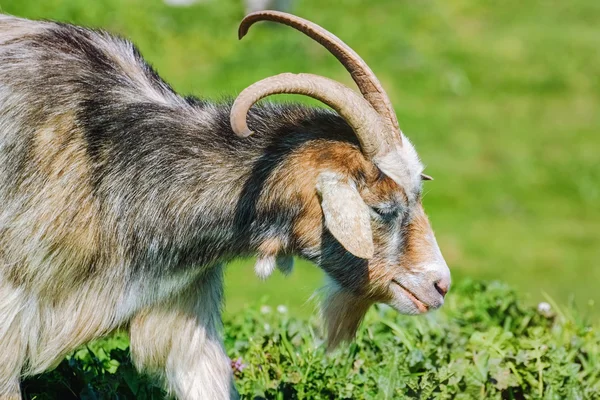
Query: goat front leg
x: 12, y: 392
x: 11, y: 362
x: 12, y: 345
x: 179, y: 341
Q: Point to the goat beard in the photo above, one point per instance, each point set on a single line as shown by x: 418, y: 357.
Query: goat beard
x: 342, y: 312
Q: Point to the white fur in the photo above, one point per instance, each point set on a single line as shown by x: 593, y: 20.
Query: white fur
x: 403, y: 166
x: 346, y: 215
x: 189, y: 354
x: 265, y: 266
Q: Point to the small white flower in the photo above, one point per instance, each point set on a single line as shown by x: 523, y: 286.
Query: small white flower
x: 265, y: 309
x: 545, y: 309
x: 267, y: 327
x: 282, y: 309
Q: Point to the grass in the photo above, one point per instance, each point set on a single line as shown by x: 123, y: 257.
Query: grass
x: 500, y: 98
x: 485, y: 343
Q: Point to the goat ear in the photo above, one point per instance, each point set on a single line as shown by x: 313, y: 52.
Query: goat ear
x: 346, y: 214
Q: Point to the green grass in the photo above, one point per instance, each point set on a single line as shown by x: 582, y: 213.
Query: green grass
x: 502, y: 100
x: 484, y: 344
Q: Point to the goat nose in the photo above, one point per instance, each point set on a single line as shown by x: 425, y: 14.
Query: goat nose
x: 442, y: 287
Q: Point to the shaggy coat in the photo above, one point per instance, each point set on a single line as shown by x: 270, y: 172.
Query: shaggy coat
x: 121, y: 201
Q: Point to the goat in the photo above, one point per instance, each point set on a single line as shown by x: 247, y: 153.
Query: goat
x: 122, y: 201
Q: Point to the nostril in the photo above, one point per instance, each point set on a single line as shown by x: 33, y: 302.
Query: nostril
x: 441, y: 288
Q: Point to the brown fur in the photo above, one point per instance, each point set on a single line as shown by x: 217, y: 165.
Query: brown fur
x: 271, y: 247
x: 71, y: 234
x: 418, y: 237
x: 301, y: 170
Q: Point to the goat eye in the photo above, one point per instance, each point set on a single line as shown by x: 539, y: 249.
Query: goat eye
x: 385, y: 212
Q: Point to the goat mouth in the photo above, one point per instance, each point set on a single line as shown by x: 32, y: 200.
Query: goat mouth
x: 422, y: 307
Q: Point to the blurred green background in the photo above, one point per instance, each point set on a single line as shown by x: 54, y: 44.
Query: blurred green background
x: 501, y: 99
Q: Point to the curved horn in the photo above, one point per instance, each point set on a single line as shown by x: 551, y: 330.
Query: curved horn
x: 365, y: 79
x: 362, y: 118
